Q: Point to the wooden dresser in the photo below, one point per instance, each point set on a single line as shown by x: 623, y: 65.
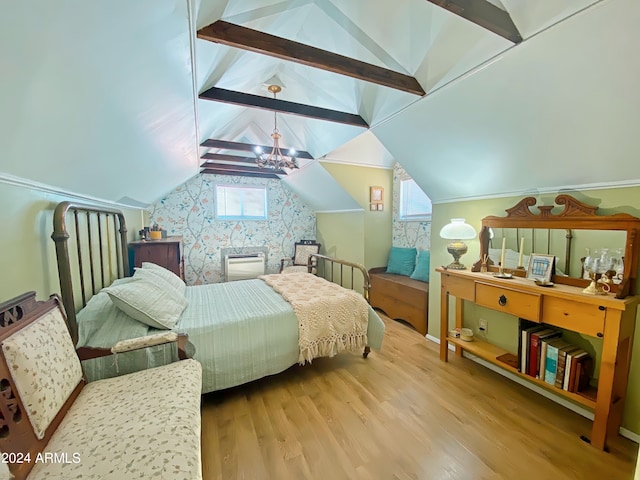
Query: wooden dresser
x: 166, y: 252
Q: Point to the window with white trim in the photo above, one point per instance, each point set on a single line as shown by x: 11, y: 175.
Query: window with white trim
x: 414, y: 203
x: 241, y: 202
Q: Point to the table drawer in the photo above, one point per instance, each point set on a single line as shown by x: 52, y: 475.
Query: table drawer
x: 459, y: 287
x: 579, y: 317
x: 520, y: 304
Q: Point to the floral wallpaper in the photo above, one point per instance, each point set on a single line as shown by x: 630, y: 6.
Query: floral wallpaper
x: 189, y: 211
x: 407, y: 234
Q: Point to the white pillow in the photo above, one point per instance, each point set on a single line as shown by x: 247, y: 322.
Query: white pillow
x: 147, y: 303
x: 152, y: 276
x: 171, y: 278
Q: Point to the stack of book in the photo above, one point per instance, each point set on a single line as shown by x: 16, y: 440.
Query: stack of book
x: 545, y: 355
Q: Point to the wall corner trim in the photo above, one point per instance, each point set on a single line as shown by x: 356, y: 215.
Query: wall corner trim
x: 13, y: 180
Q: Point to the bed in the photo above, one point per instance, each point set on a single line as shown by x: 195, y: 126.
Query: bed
x: 239, y: 331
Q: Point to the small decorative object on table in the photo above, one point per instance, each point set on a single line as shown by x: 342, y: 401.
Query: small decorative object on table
x: 540, y: 267
x: 466, y: 334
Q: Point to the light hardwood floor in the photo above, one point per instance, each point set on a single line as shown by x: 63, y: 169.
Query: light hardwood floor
x: 400, y: 414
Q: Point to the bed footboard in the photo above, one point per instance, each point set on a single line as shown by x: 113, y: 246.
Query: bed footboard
x: 341, y: 272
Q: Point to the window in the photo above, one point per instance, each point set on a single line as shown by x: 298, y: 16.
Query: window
x: 414, y: 203
x: 234, y: 202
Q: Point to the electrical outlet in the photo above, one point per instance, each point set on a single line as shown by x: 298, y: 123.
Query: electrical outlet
x: 483, y: 326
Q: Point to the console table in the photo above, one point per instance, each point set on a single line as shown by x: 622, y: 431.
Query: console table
x: 564, y: 306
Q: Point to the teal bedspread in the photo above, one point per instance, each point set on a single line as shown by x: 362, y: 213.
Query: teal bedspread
x: 241, y: 331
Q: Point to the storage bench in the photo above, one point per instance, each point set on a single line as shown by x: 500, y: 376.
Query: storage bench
x: 400, y: 297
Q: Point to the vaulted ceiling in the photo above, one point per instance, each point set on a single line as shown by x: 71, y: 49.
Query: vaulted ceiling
x: 113, y: 99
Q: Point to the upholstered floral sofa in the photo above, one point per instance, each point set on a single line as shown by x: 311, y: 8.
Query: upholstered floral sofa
x: 52, y: 425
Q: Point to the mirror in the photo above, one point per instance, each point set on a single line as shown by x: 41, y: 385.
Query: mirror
x: 602, y: 249
x: 578, y: 238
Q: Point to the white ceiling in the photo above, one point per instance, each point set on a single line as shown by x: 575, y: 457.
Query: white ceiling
x: 100, y: 98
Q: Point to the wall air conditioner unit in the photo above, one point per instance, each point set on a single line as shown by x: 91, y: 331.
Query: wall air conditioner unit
x: 242, y: 267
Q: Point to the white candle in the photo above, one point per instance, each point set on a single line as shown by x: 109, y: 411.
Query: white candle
x: 142, y: 218
x: 504, y: 246
x: 521, y: 252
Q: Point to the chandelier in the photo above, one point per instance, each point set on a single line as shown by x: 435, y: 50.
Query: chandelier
x: 275, y: 159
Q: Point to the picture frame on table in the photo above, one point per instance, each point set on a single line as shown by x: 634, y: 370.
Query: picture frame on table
x: 541, y: 267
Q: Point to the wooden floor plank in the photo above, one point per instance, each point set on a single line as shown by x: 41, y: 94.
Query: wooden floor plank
x: 400, y: 414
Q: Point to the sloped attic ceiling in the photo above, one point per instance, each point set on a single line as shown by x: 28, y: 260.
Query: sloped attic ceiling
x: 557, y: 111
x: 97, y: 97
x: 101, y: 98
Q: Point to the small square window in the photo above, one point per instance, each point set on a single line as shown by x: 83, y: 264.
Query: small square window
x: 414, y: 203
x: 241, y: 202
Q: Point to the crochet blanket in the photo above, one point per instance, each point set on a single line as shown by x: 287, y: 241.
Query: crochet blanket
x: 331, y: 318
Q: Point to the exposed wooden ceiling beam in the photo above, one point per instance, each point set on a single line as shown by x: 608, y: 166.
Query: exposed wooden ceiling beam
x: 245, y: 147
x: 243, y: 169
x: 237, y: 36
x: 484, y: 14
x: 215, y: 171
x: 266, y: 103
x: 228, y: 158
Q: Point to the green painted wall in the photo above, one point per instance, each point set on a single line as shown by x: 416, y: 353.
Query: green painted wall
x: 503, y: 328
x: 28, y: 260
x: 377, y: 225
x: 342, y: 236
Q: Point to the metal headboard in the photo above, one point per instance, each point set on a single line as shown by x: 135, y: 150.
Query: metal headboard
x: 327, y: 269
x: 98, y: 253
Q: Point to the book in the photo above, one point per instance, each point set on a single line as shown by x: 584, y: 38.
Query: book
x: 570, y: 368
x: 552, y: 359
x: 583, y: 373
x: 560, y: 367
x: 525, y: 347
x: 535, y: 344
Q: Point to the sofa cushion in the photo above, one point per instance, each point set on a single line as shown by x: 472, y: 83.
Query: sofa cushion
x: 44, y: 367
x: 423, y: 263
x: 402, y: 261
x: 137, y: 426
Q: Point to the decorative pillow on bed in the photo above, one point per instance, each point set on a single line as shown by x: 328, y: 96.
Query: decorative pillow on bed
x: 147, y: 303
x: 421, y: 272
x: 402, y: 261
x: 159, y: 281
x: 171, y: 278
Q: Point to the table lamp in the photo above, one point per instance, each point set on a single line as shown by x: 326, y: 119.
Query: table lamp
x: 457, y: 231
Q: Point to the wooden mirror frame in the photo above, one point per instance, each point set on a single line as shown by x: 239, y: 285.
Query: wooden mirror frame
x: 575, y: 216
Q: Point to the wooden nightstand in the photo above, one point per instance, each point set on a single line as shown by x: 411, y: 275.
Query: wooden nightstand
x: 166, y: 252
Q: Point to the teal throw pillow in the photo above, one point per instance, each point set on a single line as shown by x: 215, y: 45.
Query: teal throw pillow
x: 421, y: 272
x: 402, y: 261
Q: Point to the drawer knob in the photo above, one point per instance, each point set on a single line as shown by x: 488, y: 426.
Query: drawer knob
x: 502, y: 300
x: 600, y: 334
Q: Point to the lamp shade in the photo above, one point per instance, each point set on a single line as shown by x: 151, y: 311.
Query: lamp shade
x: 458, y: 230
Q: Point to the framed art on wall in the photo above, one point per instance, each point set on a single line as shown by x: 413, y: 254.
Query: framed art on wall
x: 540, y: 267
x: 376, y: 199
x: 376, y: 194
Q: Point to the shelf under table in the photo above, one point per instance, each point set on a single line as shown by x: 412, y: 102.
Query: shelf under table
x: 490, y: 353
